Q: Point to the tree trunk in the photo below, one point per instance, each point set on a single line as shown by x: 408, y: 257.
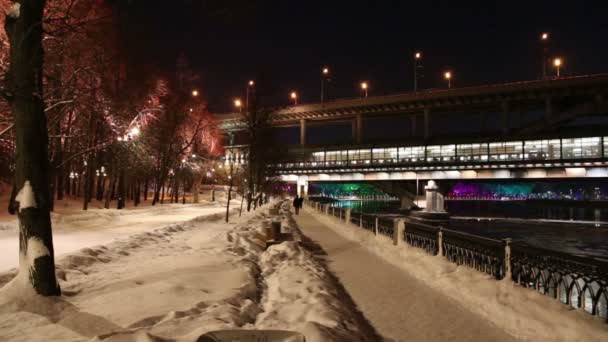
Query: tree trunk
x: 36, y: 263
x: 121, y: 190
x: 146, y: 189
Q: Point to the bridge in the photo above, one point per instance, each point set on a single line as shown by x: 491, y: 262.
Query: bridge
x: 523, y: 130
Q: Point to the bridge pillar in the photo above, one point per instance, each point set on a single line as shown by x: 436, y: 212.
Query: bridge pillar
x: 303, y: 132
x: 358, y: 129
x: 414, y: 125
x: 504, y: 106
x: 548, y: 109
x: 303, y: 188
x: 427, y: 121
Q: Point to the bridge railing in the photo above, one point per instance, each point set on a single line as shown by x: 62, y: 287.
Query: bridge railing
x: 386, y: 226
x: 580, y: 282
x: 576, y: 281
x: 422, y: 236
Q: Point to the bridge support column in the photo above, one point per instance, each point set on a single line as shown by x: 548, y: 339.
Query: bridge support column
x: 358, y: 129
x: 548, y: 109
x: 414, y: 125
x: 427, y: 121
x: 303, y: 189
x: 303, y: 132
x: 504, y: 106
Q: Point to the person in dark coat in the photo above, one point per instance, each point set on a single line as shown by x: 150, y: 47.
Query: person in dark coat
x: 296, y: 204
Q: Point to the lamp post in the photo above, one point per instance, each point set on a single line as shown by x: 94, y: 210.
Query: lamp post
x: 250, y: 86
x: 324, y: 75
x: 557, y: 63
x: 238, y: 104
x: 417, y: 64
x: 364, y: 88
x: 294, y: 97
x: 544, y: 40
x: 448, y: 77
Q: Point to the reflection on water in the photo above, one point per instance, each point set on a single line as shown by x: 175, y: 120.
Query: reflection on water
x: 371, y: 207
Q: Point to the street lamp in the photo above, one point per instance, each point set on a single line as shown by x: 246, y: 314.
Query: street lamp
x: 135, y: 131
x: 544, y: 39
x: 238, y: 104
x: 250, y: 86
x: 195, y: 93
x: 557, y: 63
x: 448, y: 77
x: 417, y: 64
x: 294, y: 97
x: 364, y: 88
x: 324, y: 75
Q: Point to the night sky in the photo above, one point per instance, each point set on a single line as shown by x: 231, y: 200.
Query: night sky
x: 286, y: 43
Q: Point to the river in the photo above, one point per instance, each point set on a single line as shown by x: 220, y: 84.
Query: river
x: 542, y: 225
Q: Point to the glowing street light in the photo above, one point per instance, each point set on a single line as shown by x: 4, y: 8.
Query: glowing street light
x: 250, y: 87
x: 324, y: 76
x: 238, y: 104
x: 294, y: 97
x: 544, y: 40
x: 364, y: 88
x: 195, y: 93
x: 135, y: 131
x: 417, y: 65
x: 448, y: 77
x: 557, y: 63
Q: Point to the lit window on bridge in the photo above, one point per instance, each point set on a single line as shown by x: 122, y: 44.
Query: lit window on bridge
x: 385, y: 155
x: 441, y: 153
x: 411, y: 154
x: 542, y: 149
x: 472, y: 152
x: 510, y: 150
x: 582, y: 148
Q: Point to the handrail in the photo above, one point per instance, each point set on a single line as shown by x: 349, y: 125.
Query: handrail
x: 581, y: 282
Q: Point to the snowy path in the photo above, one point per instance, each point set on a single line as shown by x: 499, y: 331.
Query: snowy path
x: 398, y: 305
x: 97, y: 227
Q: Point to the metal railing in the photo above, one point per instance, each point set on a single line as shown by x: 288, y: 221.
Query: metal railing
x: 368, y: 222
x: 386, y: 226
x: 483, y: 254
x: 580, y: 282
x: 422, y: 236
x: 576, y: 281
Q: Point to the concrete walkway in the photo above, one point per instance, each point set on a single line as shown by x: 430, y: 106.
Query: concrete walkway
x: 399, y: 306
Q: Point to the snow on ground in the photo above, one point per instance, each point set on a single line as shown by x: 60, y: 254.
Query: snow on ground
x: 75, y: 229
x: 178, y: 282
x: 521, y: 312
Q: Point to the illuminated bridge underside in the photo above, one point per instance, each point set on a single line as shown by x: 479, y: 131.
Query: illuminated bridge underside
x: 534, y: 173
x: 544, y: 158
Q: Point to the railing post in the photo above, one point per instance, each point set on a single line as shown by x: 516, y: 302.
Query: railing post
x: 440, y: 242
x: 326, y: 209
x: 376, y: 230
x: 507, y: 258
x: 360, y: 220
x: 398, y: 231
x: 347, y: 214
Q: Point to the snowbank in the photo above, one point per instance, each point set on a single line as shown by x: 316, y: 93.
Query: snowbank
x: 181, y: 281
x: 523, y: 313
